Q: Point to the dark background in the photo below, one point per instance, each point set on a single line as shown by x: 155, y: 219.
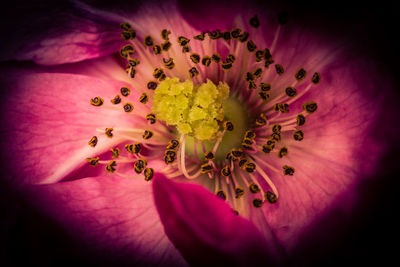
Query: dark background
x: 370, y: 236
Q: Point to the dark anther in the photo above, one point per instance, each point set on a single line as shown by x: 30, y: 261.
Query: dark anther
x: 97, y: 101
x: 125, y: 91
x: 268, y: 57
x: 209, y: 155
x: 170, y: 152
x: 298, y: 135
x: 166, y: 45
x: 243, y: 37
x: 242, y: 163
x: 200, y: 37
x: 276, y: 128
x: 93, y: 141
x: 132, y: 72
x: 216, y: 58
x: 261, y: 120
x: 290, y: 91
x: 229, y: 156
x: 185, y: 49
x: 265, y: 87
x: 108, y: 132
x: 93, y: 161
x: 230, y: 58
x: 157, y: 49
x: 116, y: 100
x: 183, y: 41
x: 267, y: 148
x: 216, y: 34
x: 125, y: 26
x: 143, y: 98
x: 133, y: 148
x: 128, y: 35
x: 237, y: 153
x: 287, y: 170
x: 206, y: 168
x: 249, y: 77
x: 140, y: 165
x: 239, y: 192
x: 281, y: 107
x: 251, y: 46
x: 148, y: 41
x: 250, y: 167
x: 164, y: 34
x: 157, y: 72
x: 257, y: 203
x: 133, y: 62
x: 263, y: 95
x: 162, y: 77
x: 195, y: 58
x: 246, y: 143
x: 147, y: 134
x: 168, y: 159
x: 257, y: 72
x: 151, y: 118
x: 253, y: 188
x: 300, y: 74
x: 279, y: 69
x: 193, y: 72
x: 221, y: 194
x: 128, y: 107
x: 126, y: 50
x: 316, y: 78
x: 226, y: 171
x: 276, y: 137
x: 259, y: 54
x: 282, y: 152
x: 110, y: 167
x: 310, y: 107
x: 283, y: 17
x: 271, y: 197
x: 301, y: 120
x: 249, y: 134
x: 173, y: 144
x: 251, y: 85
x: 254, y: 22
x: 148, y: 174
x: 228, y: 125
x: 235, y: 33
x: 226, y: 65
x: 206, y: 61
x: 226, y: 35
x: 169, y: 63
x: 152, y: 85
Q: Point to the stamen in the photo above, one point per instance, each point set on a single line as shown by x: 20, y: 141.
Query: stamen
x: 279, y: 69
x: 143, y: 98
x: 140, y: 165
x: 301, y: 120
x: 133, y: 148
x: 97, y: 101
x: 164, y: 34
x: 254, y: 22
x: 93, y: 141
x: 206, y: 61
x: 148, y: 41
x: 116, y: 100
x: 128, y: 107
x: 290, y: 91
x: 125, y: 91
x: 300, y: 74
x: 148, y: 174
x: 287, y: 170
x: 251, y: 46
x: 235, y: 33
x: 271, y: 197
x: 108, y: 132
x: 152, y: 85
x: 257, y: 202
x: 298, y: 135
x: 151, y: 118
x: 111, y: 166
x: 316, y: 78
x: 147, y: 134
x: 282, y: 152
x: 310, y: 107
x: 221, y: 194
x: 115, y: 152
x: 195, y: 58
x: 253, y: 188
x: 93, y: 161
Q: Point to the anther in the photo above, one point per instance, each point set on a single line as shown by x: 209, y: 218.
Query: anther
x: 228, y: 125
x: 128, y: 107
x: 116, y: 100
x: 276, y: 128
x: 301, y: 120
x: 93, y: 161
x: 111, y: 166
x: 216, y: 58
x: 157, y: 73
x: 227, y: 35
x: 249, y: 77
x: 127, y: 50
x: 151, y: 85
x: 128, y: 35
x: 200, y: 37
x: 235, y: 33
x: 300, y: 74
x: 279, y: 69
x: 251, y: 46
x: 251, y: 85
x: 276, y: 137
x: 133, y: 62
x: 250, y: 167
x: 290, y: 91
x: 237, y: 153
x: 282, y: 152
x: 206, y: 61
x: 132, y: 72
x: 173, y: 144
x: 97, y: 101
x: 164, y: 34
x: 254, y: 22
x: 249, y: 134
x: 226, y: 65
x: 263, y: 95
x: 230, y: 58
x: 242, y: 163
x: 206, y: 168
x: 193, y: 72
x: 265, y: 87
x: 271, y: 197
x: 261, y: 120
x: 268, y: 58
x: 183, y: 41
x: 166, y: 45
x: 125, y: 26
x: 253, y: 188
x: 287, y: 170
x: 148, y: 41
x: 209, y: 155
x: 310, y: 107
x: 133, y: 148
x: 185, y: 49
x: 259, y: 54
x: 246, y: 143
x: 140, y: 165
x: 148, y: 174
x: 125, y: 91
x: 229, y: 156
x: 108, y: 132
x: 195, y: 58
x: 239, y: 192
x: 316, y: 78
x: 257, y: 72
x: 170, y: 156
x: 143, y: 98
x: 298, y: 135
x: 266, y: 149
x: 243, y: 37
x: 226, y: 171
x: 221, y: 194
x: 281, y: 107
x: 169, y: 63
x: 115, y: 152
x: 216, y: 34
x: 283, y: 17
x: 157, y: 49
x: 257, y: 203
x: 147, y: 134
x: 93, y: 141
x: 151, y: 118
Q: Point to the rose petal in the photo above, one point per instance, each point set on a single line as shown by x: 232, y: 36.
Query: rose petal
x: 48, y: 122
x: 109, y: 214
x: 206, y: 230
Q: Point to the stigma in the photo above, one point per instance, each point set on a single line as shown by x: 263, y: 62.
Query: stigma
x: 213, y: 113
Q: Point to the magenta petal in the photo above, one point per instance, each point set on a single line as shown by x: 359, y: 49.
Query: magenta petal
x: 110, y: 214
x: 48, y: 122
x: 206, y: 230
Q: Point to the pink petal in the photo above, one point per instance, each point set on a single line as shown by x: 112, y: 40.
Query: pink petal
x: 206, y: 230
x: 48, y: 122
x: 110, y: 215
